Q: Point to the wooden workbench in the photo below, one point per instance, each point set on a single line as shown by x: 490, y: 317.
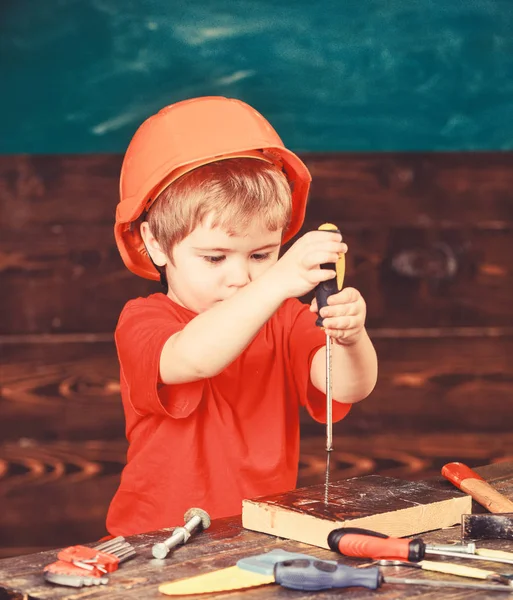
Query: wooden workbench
x: 221, y: 546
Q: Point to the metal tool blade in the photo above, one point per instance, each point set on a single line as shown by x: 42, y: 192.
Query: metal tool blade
x: 450, y: 584
x: 506, y: 561
x: 327, y: 478
x: 329, y: 398
x: 329, y: 417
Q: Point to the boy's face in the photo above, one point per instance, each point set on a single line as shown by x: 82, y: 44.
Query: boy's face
x: 210, y: 265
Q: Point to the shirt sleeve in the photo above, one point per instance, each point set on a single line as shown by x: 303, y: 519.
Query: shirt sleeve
x: 140, y: 336
x: 304, y: 341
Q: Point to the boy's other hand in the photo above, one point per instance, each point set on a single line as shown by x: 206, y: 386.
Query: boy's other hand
x: 299, y: 271
x: 344, y: 317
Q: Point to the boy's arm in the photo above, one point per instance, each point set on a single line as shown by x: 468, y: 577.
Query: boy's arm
x: 354, y: 369
x: 216, y: 337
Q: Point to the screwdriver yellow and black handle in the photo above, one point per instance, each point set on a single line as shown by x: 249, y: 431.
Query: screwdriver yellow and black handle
x: 327, y: 288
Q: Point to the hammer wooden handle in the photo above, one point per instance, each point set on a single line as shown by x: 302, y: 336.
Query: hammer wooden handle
x: 471, y: 483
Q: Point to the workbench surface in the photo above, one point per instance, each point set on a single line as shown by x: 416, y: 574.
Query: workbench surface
x: 222, y: 545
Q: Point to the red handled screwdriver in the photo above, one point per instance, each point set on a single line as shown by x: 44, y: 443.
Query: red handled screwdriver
x: 363, y: 543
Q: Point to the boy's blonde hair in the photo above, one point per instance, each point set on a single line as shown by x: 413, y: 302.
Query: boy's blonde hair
x: 235, y: 191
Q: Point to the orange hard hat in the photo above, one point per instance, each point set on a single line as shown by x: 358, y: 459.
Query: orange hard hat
x: 182, y: 137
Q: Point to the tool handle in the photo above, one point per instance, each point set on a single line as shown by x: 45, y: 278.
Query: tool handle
x: 471, y: 483
x: 369, y: 546
x: 325, y: 289
x: 302, y: 574
x: 454, y: 569
x: 488, y: 553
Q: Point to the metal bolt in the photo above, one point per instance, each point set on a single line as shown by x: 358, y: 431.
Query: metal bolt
x: 463, y: 548
x: 194, y: 518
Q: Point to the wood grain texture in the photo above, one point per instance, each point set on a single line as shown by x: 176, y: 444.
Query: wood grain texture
x: 218, y: 547
x: 389, y: 506
x: 62, y: 391
x: 439, y: 384
x: 429, y: 236
x: 71, y: 390
x: 411, y: 455
x: 431, y: 249
x: 55, y: 494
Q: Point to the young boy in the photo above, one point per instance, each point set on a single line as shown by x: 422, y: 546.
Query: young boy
x: 213, y: 373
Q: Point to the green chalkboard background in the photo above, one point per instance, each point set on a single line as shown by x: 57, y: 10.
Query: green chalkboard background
x: 81, y: 75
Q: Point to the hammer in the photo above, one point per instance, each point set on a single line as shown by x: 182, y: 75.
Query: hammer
x: 470, y: 482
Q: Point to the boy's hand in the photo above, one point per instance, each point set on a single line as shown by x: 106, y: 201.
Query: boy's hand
x: 299, y: 271
x: 344, y: 317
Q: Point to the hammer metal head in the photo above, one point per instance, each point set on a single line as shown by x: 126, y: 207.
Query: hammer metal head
x: 487, y: 526
x: 198, y: 512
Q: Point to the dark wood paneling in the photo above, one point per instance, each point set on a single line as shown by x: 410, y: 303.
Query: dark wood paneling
x: 389, y: 188
x: 431, y: 277
x: 62, y: 426
x: 71, y: 391
x: 415, y: 188
x: 429, y: 238
x: 409, y: 276
x: 431, y: 249
x: 53, y: 391
x: 406, y: 455
x: 440, y: 384
x: 57, y: 494
x: 53, y: 493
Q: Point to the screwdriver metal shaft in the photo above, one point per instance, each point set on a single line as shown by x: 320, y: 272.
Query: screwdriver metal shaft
x: 449, y: 584
x: 322, y: 293
x: 329, y: 398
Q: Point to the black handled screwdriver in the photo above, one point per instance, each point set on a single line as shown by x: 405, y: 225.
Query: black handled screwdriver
x: 314, y: 575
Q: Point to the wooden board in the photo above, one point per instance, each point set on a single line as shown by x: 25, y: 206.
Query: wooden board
x: 384, y: 504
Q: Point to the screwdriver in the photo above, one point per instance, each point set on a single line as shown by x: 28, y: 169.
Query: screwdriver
x: 323, y: 291
x: 363, y: 543
x: 447, y: 568
x: 313, y: 575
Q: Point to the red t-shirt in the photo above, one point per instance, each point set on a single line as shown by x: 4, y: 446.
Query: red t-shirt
x: 211, y: 443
